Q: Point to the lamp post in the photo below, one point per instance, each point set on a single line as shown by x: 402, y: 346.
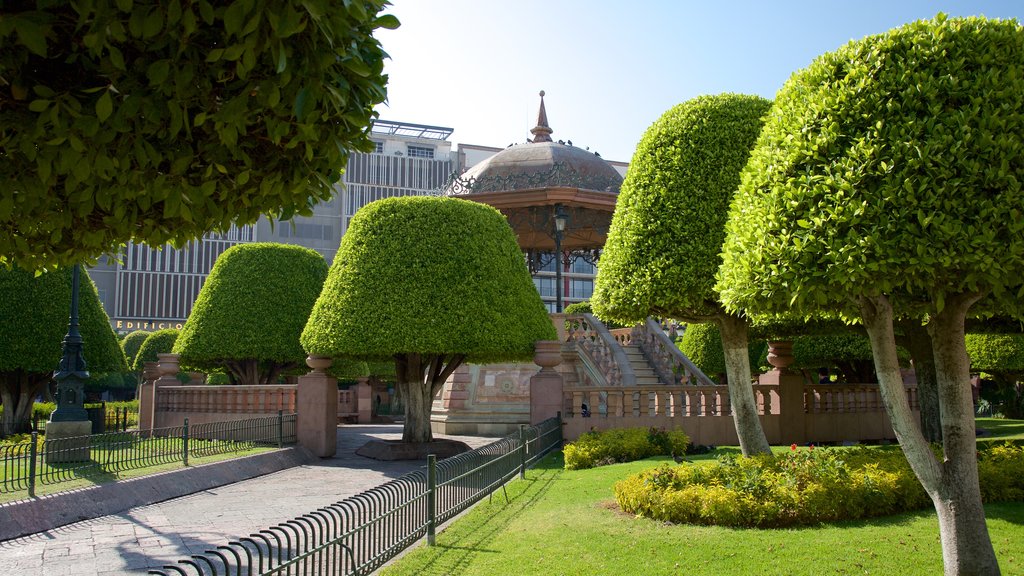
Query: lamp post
x: 71, y: 374
x: 561, y: 218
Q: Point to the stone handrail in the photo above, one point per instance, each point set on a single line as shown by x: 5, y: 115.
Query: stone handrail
x: 226, y: 399
x: 672, y: 400
x: 671, y: 365
x: 594, y: 339
x: 849, y: 398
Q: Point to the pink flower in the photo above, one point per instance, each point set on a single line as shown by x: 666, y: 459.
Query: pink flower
x: 793, y: 447
x: 811, y: 447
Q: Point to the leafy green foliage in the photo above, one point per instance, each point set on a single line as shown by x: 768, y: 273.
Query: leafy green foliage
x: 799, y: 487
x: 623, y: 445
x: 663, y: 247
x: 158, y: 121
x: 159, y: 342
x: 996, y: 352
x: 702, y: 344
x: 34, y: 321
x: 253, y: 307
x: 585, y: 308
x: 131, y: 344
x: 889, y: 166
x: 828, y: 351
x: 427, y: 275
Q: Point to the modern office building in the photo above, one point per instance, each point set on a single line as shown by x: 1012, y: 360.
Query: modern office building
x: 155, y: 288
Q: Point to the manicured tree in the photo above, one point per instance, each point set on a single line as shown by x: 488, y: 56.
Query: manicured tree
x: 430, y: 283
x: 33, y: 323
x: 849, y: 353
x: 158, y: 121
x: 131, y: 344
x: 1002, y: 356
x: 663, y: 247
x: 248, y: 317
x: 159, y: 342
x: 886, y: 185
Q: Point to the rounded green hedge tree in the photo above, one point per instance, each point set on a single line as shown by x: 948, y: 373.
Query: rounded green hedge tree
x: 158, y: 121
x: 886, y: 185
x: 663, y: 247
x: 159, y: 342
x: 33, y: 324
x: 250, y: 312
x: 849, y: 353
x: 131, y: 344
x: 702, y: 344
x: 430, y: 283
x: 1002, y: 356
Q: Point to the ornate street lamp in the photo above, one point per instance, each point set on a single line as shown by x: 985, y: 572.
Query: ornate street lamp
x: 71, y: 375
x: 561, y: 219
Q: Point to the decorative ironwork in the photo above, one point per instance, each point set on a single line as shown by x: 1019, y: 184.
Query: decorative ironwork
x: 72, y: 374
x: 560, y: 174
x: 359, y: 534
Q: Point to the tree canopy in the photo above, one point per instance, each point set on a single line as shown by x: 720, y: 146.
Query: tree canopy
x: 886, y: 185
x: 250, y: 312
x: 428, y: 275
x: 669, y: 223
x: 702, y: 344
x: 159, y: 121
x: 131, y: 344
x: 33, y: 323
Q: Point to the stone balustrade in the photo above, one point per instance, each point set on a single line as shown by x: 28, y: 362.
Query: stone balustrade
x: 593, y: 339
x: 668, y: 362
x: 202, y: 404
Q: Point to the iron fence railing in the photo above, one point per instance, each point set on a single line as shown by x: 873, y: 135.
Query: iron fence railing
x: 359, y: 534
x: 104, y: 418
x: 97, y: 456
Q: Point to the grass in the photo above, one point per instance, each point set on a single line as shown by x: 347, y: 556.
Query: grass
x: 562, y: 522
x: 1001, y: 428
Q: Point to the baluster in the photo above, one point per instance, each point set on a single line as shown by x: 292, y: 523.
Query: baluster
x: 615, y: 403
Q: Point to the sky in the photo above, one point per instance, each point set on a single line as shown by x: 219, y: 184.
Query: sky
x: 610, y: 68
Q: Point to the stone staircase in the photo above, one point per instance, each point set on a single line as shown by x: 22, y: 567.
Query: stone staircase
x: 645, y: 375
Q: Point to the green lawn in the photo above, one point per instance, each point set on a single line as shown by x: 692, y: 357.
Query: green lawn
x: 1000, y: 428
x: 566, y: 522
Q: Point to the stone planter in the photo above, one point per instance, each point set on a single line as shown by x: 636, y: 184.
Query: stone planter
x: 780, y: 354
x: 547, y: 354
x: 319, y: 364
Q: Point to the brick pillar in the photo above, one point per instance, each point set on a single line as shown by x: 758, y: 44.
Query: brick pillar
x: 364, y: 401
x: 317, y: 409
x: 147, y: 398
x: 792, y: 429
x: 546, y: 385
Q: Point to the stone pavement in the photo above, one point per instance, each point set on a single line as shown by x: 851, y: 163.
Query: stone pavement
x: 151, y: 536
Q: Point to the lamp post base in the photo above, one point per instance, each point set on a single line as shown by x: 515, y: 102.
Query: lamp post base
x: 67, y: 441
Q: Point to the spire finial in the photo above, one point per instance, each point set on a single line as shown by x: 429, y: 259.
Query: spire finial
x: 542, y: 132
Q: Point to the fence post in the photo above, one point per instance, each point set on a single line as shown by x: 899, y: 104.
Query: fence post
x: 184, y: 443
x: 431, y: 498
x: 32, y: 453
x: 280, y: 428
x: 522, y: 451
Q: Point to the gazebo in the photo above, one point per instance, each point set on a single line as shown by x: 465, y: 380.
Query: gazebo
x: 559, y: 200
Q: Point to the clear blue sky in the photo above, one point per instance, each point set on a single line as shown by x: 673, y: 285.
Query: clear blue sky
x: 611, y: 68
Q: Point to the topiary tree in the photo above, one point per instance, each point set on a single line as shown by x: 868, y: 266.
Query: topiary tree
x: 250, y: 312
x: 158, y: 121
x: 131, y: 344
x: 702, y: 344
x: 849, y: 353
x: 1002, y: 356
x: 886, y: 185
x: 32, y: 325
x: 662, y: 250
x: 159, y: 342
x: 430, y: 283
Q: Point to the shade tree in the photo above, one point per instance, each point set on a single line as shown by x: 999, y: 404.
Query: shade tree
x: 886, y: 186
x: 250, y: 312
x: 667, y: 231
x: 158, y: 121
x: 33, y: 323
x: 428, y: 283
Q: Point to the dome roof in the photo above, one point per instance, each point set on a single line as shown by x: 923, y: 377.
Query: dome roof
x: 539, y: 163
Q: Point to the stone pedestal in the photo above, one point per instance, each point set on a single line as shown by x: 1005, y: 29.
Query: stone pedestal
x: 546, y: 386
x: 317, y: 409
x: 364, y: 401
x: 792, y: 425
x: 67, y: 441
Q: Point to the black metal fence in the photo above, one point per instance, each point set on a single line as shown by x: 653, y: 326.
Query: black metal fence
x: 359, y: 534
x: 104, y: 418
x: 98, y: 456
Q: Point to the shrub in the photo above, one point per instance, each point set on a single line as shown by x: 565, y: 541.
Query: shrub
x: 802, y: 487
x: 623, y: 445
x: 131, y: 344
x: 702, y: 343
x: 159, y: 342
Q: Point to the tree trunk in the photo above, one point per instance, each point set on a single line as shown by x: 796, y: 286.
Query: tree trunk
x: 966, y: 546
x: 952, y: 485
x: 420, y: 378
x: 741, y: 392
x: 18, y: 390
x: 915, y: 339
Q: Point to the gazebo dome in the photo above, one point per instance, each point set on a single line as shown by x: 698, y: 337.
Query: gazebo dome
x: 540, y: 163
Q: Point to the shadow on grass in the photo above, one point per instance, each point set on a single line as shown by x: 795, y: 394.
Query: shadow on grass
x: 472, y: 536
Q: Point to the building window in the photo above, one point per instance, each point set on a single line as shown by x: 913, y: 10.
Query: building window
x: 581, y: 289
x: 378, y: 147
x: 546, y: 287
x: 420, y: 152
x: 581, y: 266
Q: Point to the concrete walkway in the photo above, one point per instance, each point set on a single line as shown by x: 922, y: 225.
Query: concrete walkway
x: 151, y: 536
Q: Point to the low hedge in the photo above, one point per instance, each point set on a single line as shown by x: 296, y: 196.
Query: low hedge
x: 801, y: 487
x: 623, y: 445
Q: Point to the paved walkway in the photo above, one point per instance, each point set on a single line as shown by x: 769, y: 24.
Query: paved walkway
x: 151, y: 536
